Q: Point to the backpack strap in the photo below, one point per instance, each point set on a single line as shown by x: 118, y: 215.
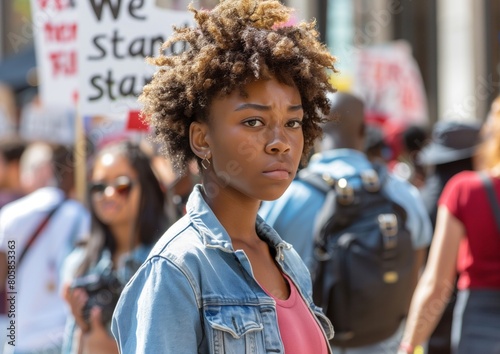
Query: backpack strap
x: 384, y: 176
x: 490, y: 192
x: 325, y: 184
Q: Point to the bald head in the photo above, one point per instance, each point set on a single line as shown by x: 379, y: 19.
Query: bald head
x: 36, y: 167
x: 346, y: 128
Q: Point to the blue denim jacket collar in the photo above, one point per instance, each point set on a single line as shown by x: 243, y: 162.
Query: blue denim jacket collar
x: 212, y: 231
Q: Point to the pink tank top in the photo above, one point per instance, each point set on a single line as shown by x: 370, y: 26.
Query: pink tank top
x: 299, y: 330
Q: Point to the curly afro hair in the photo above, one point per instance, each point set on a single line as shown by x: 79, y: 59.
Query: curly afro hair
x: 237, y: 42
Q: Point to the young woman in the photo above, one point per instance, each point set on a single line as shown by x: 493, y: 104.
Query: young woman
x: 127, y: 207
x: 466, y: 241
x: 245, y: 100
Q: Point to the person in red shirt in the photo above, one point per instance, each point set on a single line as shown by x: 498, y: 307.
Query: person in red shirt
x: 466, y: 241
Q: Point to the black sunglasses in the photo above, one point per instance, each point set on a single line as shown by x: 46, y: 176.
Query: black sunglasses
x: 121, y: 185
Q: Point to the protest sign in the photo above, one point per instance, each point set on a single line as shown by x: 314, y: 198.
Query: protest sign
x: 115, y: 38
x: 51, y: 116
x: 388, y: 79
x: 55, y: 32
x: 50, y: 123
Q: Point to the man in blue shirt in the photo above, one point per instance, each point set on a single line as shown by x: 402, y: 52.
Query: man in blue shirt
x: 293, y: 215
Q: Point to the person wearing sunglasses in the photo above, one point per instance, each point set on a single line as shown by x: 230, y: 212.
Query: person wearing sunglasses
x: 245, y: 100
x: 127, y: 207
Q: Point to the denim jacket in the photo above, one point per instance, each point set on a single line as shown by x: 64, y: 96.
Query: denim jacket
x: 195, y: 294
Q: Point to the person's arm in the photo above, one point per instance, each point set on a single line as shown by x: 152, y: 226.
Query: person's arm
x: 437, y: 282
x: 419, y: 255
x: 76, y: 300
x: 158, y: 311
x: 97, y: 340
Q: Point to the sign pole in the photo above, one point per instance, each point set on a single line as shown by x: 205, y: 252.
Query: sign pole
x: 80, y: 159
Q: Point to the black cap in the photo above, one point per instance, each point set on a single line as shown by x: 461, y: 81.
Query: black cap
x: 451, y: 141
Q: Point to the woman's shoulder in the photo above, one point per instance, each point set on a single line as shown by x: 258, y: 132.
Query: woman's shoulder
x: 77, y: 254
x: 464, y: 181
x: 72, y: 262
x: 466, y: 176
x: 462, y: 188
x: 180, y: 239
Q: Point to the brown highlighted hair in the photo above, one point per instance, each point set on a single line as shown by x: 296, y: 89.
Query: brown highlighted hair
x: 237, y: 42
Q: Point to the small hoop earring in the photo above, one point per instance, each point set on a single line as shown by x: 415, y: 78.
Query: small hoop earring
x: 205, y: 163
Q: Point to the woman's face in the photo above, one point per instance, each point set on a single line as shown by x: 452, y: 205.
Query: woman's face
x: 255, y: 141
x: 114, y: 190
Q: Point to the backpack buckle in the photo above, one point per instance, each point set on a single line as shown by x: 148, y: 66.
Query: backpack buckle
x: 388, y: 224
x: 328, y: 179
x: 345, y: 192
x: 370, y: 180
x: 321, y: 254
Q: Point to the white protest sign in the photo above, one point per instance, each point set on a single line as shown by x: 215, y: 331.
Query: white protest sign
x: 55, y: 32
x: 51, y: 123
x: 388, y: 79
x: 114, y: 39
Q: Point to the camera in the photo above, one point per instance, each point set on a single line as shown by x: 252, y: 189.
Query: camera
x: 103, y: 291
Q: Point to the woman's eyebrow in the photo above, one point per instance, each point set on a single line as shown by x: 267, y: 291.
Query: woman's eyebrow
x: 260, y: 107
x: 255, y: 106
x: 297, y: 107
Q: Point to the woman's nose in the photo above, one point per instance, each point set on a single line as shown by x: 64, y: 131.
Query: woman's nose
x: 278, y: 142
x: 109, y: 191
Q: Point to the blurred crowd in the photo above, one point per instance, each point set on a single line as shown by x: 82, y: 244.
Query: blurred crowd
x: 132, y: 195
x: 52, y: 239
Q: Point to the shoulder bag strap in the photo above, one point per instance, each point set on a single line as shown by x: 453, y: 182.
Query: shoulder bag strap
x: 490, y: 192
x: 37, y: 231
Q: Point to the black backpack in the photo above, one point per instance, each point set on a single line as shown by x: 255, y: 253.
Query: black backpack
x: 363, y: 259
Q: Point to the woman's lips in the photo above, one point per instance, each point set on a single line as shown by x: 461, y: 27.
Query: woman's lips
x: 277, y: 174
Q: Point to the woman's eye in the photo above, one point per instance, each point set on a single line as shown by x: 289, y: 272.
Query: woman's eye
x: 253, y: 123
x: 294, y: 124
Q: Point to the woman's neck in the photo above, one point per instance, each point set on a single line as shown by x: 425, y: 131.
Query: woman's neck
x: 236, y: 214
x: 124, y: 238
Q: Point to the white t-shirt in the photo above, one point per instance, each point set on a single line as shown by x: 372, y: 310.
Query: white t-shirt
x: 35, y: 301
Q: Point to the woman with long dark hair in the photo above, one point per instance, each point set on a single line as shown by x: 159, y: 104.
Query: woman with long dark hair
x: 127, y: 207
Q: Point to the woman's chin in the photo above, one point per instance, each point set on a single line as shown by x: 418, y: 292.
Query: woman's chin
x: 273, y: 195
